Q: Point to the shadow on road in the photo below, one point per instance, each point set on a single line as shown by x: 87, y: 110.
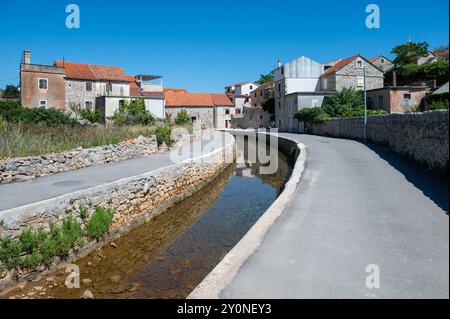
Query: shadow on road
x: 434, y: 188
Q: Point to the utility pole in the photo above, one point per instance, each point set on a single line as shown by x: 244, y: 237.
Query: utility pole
x: 365, y: 106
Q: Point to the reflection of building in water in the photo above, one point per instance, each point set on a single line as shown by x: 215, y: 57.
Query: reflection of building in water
x: 244, y: 170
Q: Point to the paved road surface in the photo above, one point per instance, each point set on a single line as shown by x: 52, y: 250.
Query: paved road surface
x: 356, y: 205
x: 19, y: 194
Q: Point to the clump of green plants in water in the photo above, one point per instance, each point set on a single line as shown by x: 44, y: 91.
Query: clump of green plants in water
x: 164, y: 135
x: 33, y: 248
x: 99, y: 223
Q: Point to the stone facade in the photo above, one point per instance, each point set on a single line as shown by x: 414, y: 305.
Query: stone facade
x: 382, y: 63
x: 423, y: 137
x: 77, y: 94
x: 347, y: 77
x: 204, y: 114
x: 20, y: 169
x: 396, y: 99
x: 254, y: 117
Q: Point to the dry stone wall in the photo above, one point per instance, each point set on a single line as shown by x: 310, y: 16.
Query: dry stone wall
x: 423, y: 137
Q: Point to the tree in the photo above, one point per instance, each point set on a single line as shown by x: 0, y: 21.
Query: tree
x: 311, y: 115
x: 344, y: 103
x: 409, y: 53
x: 265, y: 78
x: 11, y: 92
x: 133, y: 113
x: 269, y: 107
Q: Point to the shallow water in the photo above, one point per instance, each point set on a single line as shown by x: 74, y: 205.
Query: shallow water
x: 171, y: 254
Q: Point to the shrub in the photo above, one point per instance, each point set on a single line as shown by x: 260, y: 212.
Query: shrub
x: 437, y: 105
x: 163, y: 135
x: 99, y: 223
x: 182, y: 118
x: 12, y: 111
x: 344, y: 103
x: 133, y: 113
x: 35, y: 247
x: 91, y: 116
x: 311, y: 115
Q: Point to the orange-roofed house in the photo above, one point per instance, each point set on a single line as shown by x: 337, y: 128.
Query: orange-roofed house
x: 207, y: 109
x: 72, y: 85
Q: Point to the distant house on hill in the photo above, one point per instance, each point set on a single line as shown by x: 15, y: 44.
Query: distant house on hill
x: 383, y: 63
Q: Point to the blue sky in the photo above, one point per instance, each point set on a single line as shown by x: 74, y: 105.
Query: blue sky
x: 205, y: 45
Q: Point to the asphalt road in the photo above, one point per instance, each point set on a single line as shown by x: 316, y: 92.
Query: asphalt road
x: 356, y: 205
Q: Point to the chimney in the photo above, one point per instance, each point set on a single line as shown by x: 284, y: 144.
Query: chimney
x: 394, y: 79
x: 279, y: 63
x: 27, y: 56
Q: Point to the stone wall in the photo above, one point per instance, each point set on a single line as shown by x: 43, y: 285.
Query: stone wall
x: 21, y: 169
x: 422, y: 137
x: 252, y: 117
x: 135, y: 200
x: 205, y: 114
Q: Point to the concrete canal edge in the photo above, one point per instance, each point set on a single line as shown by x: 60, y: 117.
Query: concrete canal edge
x: 136, y: 200
x: 222, y: 275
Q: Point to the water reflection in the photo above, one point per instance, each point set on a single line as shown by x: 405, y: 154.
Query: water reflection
x: 170, y: 255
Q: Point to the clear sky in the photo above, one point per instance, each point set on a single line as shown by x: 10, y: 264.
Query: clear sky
x: 206, y: 45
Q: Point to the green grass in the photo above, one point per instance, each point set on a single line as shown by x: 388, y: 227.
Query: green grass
x: 20, y: 140
x: 40, y: 247
x: 99, y: 223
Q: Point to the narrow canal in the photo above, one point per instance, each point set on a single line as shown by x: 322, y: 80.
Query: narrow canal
x: 171, y: 254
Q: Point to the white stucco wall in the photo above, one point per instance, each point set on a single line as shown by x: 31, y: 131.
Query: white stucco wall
x: 155, y: 107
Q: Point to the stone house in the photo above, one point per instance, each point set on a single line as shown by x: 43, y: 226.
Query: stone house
x: 69, y: 85
x: 210, y: 110
x: 349, y: 73
x: 383, y: 63
x: 239, y: 94
x: 262, y: 94
x: 396, y: 99
x: 304, y: 82
x: 430, y: 57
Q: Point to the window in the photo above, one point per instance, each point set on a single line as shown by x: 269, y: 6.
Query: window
x: 279, y: 123
x: 43, y: 84
x: 227, y: 111
x: 279, y: 88
x: 261, y: 93
x: 407, y: 99
x: 251, y: 87
x: 121, y: 102
x: 43, y: 104
x: 89, y: 86
x: 382, y: 60
x: 381, y: 101
x: 109, y: 87
x: 325, y: 84
x: 121, y: 91
x: 360, y: 83
x: 238, y: 111
x: 282, y: 70
x: 314, y: 102
x: 88, y: 105
x: 359, y: 64
x: 279, y: 105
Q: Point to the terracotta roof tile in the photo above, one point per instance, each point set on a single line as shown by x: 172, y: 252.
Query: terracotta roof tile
x: 340, y: 65
x: 220, y: 99
x: 85, y: 71
x: 188, y: 99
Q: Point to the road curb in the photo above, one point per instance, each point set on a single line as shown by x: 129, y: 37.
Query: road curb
x: 223, y: 274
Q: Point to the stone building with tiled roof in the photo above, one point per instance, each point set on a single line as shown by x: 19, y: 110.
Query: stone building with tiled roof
x: 72, y: 85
